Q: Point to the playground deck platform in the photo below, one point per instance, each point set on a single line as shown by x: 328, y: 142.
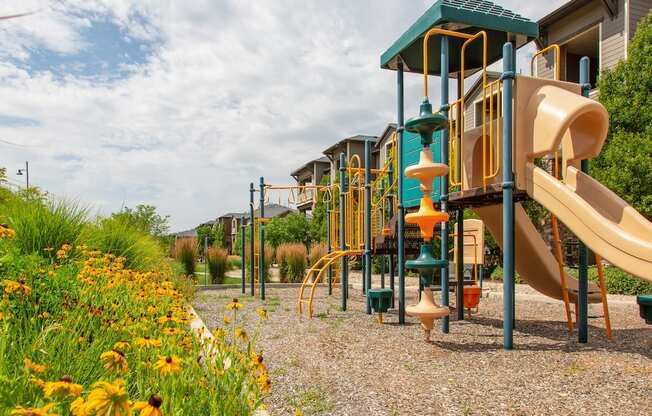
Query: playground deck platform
x: 345, y: 363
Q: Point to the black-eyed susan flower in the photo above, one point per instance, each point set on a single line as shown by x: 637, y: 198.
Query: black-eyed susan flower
x: 33, y: 367
x: 121, y: 346
x: 234, y: 305
x: 241, y: 334
x: 150, y: 407
x: 108, y: 399
x: 62, y: 388
x: 114, y: 360
x: 262, y: 313
x: 78, y: 407
x: 264, y: 383
x: 168, y: 365
x: 226, y: 320
x: 171, y: 331
x: 6, y: 232
x: 11, y: 286
x: 34, y: 411
x: 147, y: 342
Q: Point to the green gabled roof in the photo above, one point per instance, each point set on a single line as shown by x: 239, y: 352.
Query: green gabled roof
x: 468, y: 16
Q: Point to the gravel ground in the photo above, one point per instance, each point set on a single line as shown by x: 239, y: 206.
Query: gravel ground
x: 345, y: 363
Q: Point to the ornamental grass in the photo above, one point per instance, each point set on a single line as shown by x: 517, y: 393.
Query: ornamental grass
x: 216, y: 259
x: 291, y: 258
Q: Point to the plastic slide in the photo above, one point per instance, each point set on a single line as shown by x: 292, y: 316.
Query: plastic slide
x: 534, y: 261
x: 598, y: 217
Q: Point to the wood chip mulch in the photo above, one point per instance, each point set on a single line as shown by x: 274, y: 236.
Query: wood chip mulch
x: 345, y: 363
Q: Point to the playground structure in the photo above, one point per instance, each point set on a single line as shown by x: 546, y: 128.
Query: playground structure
x: 488, y: 169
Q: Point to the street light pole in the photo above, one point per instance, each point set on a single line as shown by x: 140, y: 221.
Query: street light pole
x: 26, y: 173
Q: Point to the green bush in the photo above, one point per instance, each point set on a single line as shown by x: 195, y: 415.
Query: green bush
x: 43, y: 226
x: 119, y: 237
x: 186, y: 254
x: 619, y: 282
x: 233, y: 263
x: 497, y: 274
x: 216, y: 260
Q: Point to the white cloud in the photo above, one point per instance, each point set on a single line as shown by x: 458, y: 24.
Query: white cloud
x: 234, y: 91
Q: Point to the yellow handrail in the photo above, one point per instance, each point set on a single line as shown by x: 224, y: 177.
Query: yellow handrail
x: 541, y: 52
x: 436, y: 31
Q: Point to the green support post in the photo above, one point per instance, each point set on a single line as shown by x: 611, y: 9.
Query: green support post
x: 443, y: 197
x: 261, y: 227
x: 401, y: 209
x: 252, y: 232
x: 344, y: 260
x: 507, y: 78
x: 390, y: 198
x: 367, y: 225
x: 583, y: 277
x: 242, y: 254
x: 328, y: 242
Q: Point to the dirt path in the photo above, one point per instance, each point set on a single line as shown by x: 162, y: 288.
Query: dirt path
x: 345, y: 363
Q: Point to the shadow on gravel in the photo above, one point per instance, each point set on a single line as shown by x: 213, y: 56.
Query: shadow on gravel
x: 629, y: 340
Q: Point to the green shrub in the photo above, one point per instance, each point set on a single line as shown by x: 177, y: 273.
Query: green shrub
x: 216, y: 259
x: 186, y: 254
x: 43, y: 226
x: 233, y: 263
x: 117, y: 236
x: 619, y: 282
x: 497, y: 274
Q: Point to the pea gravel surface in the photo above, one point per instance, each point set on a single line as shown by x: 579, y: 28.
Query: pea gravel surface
x: 346, y: 363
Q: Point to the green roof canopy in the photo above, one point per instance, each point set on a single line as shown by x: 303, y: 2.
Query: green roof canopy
x: 468, y: 16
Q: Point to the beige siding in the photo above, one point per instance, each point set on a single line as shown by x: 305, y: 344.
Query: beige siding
x: 638, y: 9
x: 576, y: 22
x: 545, y: 65
x: 612, y: 47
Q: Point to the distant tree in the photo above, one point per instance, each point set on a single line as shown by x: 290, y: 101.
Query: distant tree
x: 145, y: 218
x: 213, y: 234
x: 625, y: 164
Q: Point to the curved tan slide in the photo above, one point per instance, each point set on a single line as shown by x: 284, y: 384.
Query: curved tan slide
x: 534, y: 260
x: 598, y: 217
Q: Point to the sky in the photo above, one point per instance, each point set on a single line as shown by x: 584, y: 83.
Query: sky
x: 180, y: 104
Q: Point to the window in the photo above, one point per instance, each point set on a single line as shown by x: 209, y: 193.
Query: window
x: 585, y: 44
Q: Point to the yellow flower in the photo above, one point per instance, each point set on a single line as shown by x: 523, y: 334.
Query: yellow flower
x: 11, y: 286
x: 257, y: 360
x: 264, y: 383
x: 108, y: 399
x: 241, y: 334
x: 121, y: 345
x: 262, y: 313
x: 150, y: 407
x: 62, y: 388
x: 147, y: 342
x: 171, y: 331
x: 297, y: 412
x: 78, y: 407
x: 168, y: 365
x: 114, y: 360
x: 33, y: 367
x: 234, y: 305
x: 37, y: 382
x: 226, y: 320
x: 34, y: 411
x: 6, y: 232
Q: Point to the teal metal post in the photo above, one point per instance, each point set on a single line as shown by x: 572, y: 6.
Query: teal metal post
x: 328, y: 242
x: 382, y: 256
x: 344, y: 260
x: 261, y: 227
x: 243, y: 233
x: 390, y: 198
x: 367, y: 222
x: 507, y: 78
x: 583, y: 277
x: 443, y: 197
x: 459, y: 291
x: 401, y: 209
x: 252, y: 263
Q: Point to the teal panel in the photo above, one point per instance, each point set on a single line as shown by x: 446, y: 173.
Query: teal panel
x: 411, y: 148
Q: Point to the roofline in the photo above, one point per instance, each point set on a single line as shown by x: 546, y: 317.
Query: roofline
x: 305, y: 165
x: 356, y: 138
x: 560, y: 12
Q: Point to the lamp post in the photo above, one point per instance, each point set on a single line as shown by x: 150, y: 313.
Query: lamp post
x: 25, y: 172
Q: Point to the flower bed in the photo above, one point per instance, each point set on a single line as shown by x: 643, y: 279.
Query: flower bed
x: 80, y: 334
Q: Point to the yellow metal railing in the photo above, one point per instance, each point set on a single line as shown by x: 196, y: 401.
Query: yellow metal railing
x: 491, y: 142
x: 456, y: 110
x: 557, y: 50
